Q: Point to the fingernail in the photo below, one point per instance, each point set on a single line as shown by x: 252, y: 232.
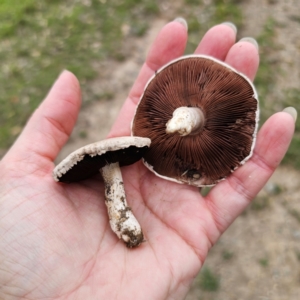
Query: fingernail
x: 291, y: 111
x: 182, y: 21
x: 250, y: 40
x: 231, y: 25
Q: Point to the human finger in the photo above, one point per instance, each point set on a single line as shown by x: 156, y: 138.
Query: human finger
x: 217, y: 41
x: 230, y: 197
x: 52, y: 122
x: 169, y: 44
x: 244, y: 57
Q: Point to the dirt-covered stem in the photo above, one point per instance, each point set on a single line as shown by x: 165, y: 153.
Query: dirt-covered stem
x: 121, y: 218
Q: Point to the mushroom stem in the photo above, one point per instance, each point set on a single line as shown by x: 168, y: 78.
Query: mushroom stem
x: 121, y: 218
x: 185, y: 121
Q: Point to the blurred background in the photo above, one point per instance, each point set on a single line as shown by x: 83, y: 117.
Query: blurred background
x: 104, y: 42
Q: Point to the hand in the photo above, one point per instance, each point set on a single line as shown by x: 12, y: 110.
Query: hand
x: 56, y: 242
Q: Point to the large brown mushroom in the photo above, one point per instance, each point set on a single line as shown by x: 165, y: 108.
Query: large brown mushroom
x: 201, y: 116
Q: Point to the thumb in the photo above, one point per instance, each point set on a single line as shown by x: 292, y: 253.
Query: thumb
x: 50, y: 125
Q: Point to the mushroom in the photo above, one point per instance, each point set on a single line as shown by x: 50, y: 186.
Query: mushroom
x: 201, y: 116
x: 106, y: 157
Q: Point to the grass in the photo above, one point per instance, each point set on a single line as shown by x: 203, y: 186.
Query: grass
x: 273, y: 189
x: 202, y: 16
x: 228, y: 11
x: 264, y: 262
x: 295, y: 213
x: 38, y: 39
x: 265, y: 78
x: 209, y: 281
x: 227, y: 255
x: 205, y: 190
x: 293, y: 157
x: 265, y: 82
x: 260, y: 203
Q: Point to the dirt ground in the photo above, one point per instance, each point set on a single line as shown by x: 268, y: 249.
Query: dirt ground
x: 259, y: 256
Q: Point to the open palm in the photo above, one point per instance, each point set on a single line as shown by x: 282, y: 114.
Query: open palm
x: 56, y: 242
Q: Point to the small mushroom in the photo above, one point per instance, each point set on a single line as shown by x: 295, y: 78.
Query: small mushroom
x: 106, y: 157
x: 201, y: 116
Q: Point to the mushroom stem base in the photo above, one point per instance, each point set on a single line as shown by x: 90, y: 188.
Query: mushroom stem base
x: 121, y: 218
x: 185, y: 121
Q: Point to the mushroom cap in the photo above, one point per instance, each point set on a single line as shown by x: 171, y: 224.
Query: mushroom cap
x: 229, y: 103
x: 88, y: 160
